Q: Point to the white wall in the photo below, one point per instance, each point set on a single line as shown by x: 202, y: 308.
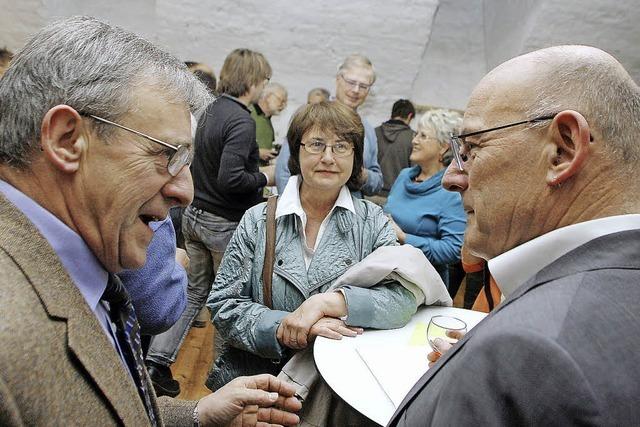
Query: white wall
x: 430, y: 51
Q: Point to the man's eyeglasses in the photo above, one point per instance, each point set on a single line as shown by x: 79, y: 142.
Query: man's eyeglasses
x: 339, y: 149
x: 182, y: 154
x: 355, y: 85
x: 456, y: 142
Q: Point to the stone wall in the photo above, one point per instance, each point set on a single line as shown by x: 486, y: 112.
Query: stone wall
x: 430, y: 51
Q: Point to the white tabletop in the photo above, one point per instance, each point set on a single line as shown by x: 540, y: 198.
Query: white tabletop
x: 398, y: 357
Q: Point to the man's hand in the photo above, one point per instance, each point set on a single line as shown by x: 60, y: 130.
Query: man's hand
x: 182, y: 258
x: 294, y: 329
x: 270, y: 172
x: 267, y: 154
x: 250, y: 401
x: 335, y: 329
x: 443, y: 346
x: 364, y: 175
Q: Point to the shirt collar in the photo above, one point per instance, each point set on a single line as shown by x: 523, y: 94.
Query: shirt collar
x: 289, y: 201
x: 236, y: 100
x: 85, y: 270
x: 514, y: 267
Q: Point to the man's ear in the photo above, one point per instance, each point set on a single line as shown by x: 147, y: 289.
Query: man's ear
x: 410, y: 116
x: 61, y: 138
x: 569, y: 146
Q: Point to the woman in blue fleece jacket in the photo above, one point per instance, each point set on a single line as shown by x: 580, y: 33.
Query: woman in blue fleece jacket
x: 425, y: 215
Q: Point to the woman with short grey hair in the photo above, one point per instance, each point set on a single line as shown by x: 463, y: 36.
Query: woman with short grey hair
x: 425, y: 215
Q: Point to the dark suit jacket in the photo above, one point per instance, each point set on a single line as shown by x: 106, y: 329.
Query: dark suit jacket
x: 57, y: 366
x: 564, y: 349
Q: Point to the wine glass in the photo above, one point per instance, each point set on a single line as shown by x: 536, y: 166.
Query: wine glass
x: 446, y: 328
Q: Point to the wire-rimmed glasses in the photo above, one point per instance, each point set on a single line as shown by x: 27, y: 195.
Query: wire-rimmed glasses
x: 181, y: 157
x: 456, y: 142
x: 339, y: 149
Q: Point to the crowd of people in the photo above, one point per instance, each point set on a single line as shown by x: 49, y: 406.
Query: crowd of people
x: 139, y: 192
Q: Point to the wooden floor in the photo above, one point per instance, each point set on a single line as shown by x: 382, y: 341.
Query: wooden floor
x: 193, y: 363
x: 195, y: 357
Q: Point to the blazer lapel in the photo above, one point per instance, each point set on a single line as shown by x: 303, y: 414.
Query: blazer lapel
x: 62, y: 300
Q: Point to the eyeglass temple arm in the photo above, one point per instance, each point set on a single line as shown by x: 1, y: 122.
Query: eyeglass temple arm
x: 100, y: 119
x: 537, y: 119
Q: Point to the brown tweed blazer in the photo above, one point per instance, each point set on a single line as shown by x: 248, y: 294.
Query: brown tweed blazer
x: 57, y: 366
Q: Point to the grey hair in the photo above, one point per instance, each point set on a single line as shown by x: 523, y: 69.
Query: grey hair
x: 273, y: 87
x: 319, y: 91
x: 356, y: 60
x: 443, y: 123
x: 594, y: 84
x: 90, y: 66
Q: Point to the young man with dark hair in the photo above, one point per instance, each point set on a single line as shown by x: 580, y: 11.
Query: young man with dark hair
x: 394, y: 143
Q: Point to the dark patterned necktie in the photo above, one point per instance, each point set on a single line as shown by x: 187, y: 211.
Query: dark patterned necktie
x: 128, y: 336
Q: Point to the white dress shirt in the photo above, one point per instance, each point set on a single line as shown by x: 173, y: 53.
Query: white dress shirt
x: 289, y: 203
x: 514, y: 267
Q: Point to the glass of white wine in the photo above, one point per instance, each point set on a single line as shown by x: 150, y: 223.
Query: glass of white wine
x: 448, y: 328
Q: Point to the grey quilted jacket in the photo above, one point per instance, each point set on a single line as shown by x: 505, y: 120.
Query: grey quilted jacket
x: 248, y: 328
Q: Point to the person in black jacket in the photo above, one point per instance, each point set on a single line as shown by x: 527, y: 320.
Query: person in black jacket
x: 394, y: 143
x: 227, y: 181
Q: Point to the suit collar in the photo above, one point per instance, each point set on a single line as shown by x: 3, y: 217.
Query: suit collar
x: 616, y: 250
x: 508, y: 270
x: 62, y: 300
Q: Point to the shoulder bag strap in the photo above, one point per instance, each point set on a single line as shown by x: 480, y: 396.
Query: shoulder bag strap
x: 269, y: 251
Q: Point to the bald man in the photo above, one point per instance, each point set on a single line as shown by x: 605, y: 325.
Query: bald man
x: 547, y: 169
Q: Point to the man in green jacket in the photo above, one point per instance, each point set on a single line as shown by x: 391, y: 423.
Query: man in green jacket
x: 272, y: 101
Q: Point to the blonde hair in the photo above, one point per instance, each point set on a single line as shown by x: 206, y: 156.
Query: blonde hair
x: 242, y: 69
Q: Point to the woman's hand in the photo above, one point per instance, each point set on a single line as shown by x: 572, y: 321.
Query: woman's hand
x: 294, y: 329
x: 335, y: 329
x: 400, y: 235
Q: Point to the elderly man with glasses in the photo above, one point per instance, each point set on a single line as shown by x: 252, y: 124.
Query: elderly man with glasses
x: 271, y: 102
x: 354, y: 79
x: 547, y: 166
x: 95, y: 143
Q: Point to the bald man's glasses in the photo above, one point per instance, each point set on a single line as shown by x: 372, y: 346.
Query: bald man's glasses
x: 181, y: 155
x: 457, y: 142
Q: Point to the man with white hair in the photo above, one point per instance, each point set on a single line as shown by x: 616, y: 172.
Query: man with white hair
x: 95, y: 143
x: 547, y: 164
x: 354, y: 79
x: 272, y: 100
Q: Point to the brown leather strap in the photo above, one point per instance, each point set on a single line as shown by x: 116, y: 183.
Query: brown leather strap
x: 269, y: 250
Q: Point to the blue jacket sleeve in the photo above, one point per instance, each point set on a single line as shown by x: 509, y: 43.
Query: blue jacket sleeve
x: 158, y: 290
x: 282, y: 167
x: 374, y: 172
